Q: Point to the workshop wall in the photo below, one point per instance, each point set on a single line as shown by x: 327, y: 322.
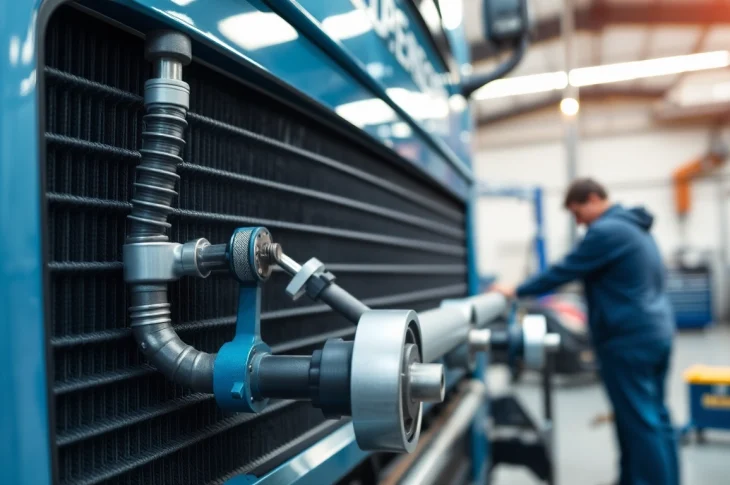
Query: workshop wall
x: 622, y: 147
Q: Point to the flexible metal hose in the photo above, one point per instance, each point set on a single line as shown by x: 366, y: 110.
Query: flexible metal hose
x: 166, y: 102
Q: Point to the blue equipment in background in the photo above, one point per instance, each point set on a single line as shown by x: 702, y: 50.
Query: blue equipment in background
x: 532, y: 195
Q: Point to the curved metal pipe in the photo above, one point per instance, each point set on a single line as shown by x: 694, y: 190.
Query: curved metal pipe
x: 166, y: 102
x: 476, y: 82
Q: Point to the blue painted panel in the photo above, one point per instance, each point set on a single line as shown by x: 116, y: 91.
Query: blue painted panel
x: 24, y: 426
x: 252, y: 34
x: 379, y: 40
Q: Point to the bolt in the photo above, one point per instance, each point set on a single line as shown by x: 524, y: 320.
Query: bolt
x: 237, y: 390
x: 250, y: 367
x: 143, y: 345
x: 252, y: 399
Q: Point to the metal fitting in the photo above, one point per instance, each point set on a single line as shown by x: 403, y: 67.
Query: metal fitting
x: 552, y: 342
x: 534, y: 331
x: 248, y: 255
x: 426, y: 382
x: 479, y: 339
x: 297, y: 287
x: 387, y: 376
x: 154, y: 262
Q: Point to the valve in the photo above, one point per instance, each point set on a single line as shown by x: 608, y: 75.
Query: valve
x: 378, y: 379
x: 529, y: 341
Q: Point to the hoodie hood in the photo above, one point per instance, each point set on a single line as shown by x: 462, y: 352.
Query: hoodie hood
x: 636, y: 215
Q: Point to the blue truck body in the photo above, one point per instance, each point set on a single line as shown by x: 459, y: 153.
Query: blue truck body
x: 369, y: 65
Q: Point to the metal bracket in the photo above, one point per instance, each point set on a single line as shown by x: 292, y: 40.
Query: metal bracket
x: 238, y: 360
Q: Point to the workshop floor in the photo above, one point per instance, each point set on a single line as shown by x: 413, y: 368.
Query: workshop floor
x: 587, y: 455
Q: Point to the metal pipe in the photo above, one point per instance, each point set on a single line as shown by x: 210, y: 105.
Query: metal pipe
x: 166, y: 102
x: 479, y: 80
x: 427, y: 469
x: 427, y: 382
x: 343, y: 302
x: 442, y: 330
x: 213, y: 257
x: 487, y: 308
x: 283, y: 377
x: 288, y: 264
x: 168, y: 69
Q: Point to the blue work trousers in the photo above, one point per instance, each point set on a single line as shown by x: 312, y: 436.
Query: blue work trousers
x: 635, y: 379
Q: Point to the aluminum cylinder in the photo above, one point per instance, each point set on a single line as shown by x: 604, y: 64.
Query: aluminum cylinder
x: 427, y: 382
x: 487, y: 308
x: 442, y: 330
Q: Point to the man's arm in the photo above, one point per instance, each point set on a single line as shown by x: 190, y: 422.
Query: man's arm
x: 598, y: 248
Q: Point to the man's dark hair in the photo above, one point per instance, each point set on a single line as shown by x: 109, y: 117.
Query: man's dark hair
x: 581, y: 189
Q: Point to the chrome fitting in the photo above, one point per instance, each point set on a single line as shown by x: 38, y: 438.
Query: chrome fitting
x: 297, y: 287
x: 479, y: 339
x: 388, y: 382
x: 154, y: 262
x: 537, y: 341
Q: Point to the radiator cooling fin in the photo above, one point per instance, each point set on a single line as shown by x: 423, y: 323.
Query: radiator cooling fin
x: 392, y: 239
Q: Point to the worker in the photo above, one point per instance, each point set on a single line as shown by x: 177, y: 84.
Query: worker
x: 631, y: 325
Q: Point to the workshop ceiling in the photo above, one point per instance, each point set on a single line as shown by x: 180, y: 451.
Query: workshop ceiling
x: 607, y: 31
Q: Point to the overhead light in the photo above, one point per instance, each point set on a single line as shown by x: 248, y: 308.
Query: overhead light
x: 627, y: 71
x: 182, y: 3
x: 256, y: 30
x: 569, y: 106
x: 609, y: 73
x: 347, y: 25
x: 536, y: 83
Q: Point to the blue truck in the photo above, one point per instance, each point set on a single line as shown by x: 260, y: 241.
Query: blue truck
x: 160, y: 160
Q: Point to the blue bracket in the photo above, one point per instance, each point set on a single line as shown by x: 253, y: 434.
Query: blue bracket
x: 238, y: 359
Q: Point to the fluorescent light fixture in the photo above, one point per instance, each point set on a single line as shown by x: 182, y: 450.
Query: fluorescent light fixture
x: 347, y: 25
x: 536, y: 83
x: 182, y: 3
x: 609, y: 73
x: 569, y: 106
x: 627, y: 71
x: 256, y: 30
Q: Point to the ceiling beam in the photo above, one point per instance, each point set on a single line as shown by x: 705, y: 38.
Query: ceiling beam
x: 588, y: 93
x: 602, y: 14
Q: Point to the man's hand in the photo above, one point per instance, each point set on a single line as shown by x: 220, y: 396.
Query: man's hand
x: 509, y: 291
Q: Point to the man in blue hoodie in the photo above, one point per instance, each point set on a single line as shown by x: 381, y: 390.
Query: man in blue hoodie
x: 631, y: 325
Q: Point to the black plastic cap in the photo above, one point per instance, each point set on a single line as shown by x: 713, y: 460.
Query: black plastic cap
x: 170, y: 44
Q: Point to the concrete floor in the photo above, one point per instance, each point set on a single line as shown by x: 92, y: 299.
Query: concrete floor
x: 587, y: 455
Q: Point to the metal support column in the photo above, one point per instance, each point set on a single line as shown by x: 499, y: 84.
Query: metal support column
x: 540, y: 251
x: 570, y: 122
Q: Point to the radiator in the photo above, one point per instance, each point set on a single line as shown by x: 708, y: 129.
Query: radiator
x: 394, y: 240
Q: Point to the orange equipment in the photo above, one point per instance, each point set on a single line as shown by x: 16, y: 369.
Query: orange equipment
x: 684, y: 175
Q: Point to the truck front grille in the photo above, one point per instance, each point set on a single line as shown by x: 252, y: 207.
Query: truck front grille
x: 392, y: 239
